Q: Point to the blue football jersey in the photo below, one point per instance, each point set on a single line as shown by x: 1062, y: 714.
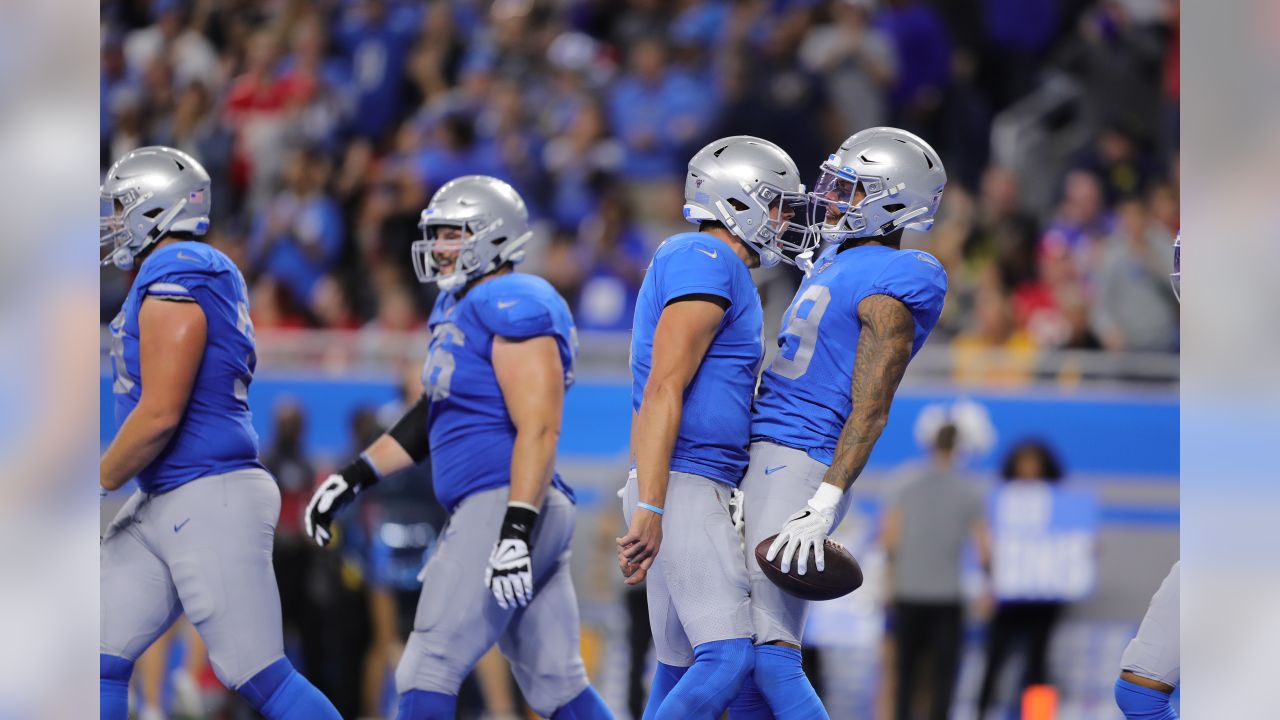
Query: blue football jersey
x: 805, y: 394
x: 715, y: 426
x: 216, y: 434
x: 470, y: 432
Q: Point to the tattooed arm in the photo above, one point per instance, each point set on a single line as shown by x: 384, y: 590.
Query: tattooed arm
x: 884, y: 348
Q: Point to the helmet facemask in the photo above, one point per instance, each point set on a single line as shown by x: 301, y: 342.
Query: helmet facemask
x: 113, y: 235
x: 771, y: 222
x: 125, y: 230
x: 845, y: 204
x: 785, y: 234
x: 450, y: 252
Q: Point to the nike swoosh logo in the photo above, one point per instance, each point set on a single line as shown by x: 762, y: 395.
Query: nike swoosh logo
x: 772, y: 470
x: 713, y: 254
x: 187, y: 257
x: 504, y: 305
x: 180, y: 525
x: 806, y: 514
x: 783, y: 173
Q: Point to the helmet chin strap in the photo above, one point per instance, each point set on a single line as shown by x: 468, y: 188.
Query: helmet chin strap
x: 452, y: 281
x: 122, y: 258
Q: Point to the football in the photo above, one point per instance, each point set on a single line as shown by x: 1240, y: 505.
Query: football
x: 841, y: 576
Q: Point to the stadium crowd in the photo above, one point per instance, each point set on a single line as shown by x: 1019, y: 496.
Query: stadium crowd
x: 327, y: 125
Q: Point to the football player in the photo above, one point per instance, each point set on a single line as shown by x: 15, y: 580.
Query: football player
x: 864, y: 309
x: 1151, y: 665
x: 197, y: 535
x: 695, y: 352
x: 501, y: 358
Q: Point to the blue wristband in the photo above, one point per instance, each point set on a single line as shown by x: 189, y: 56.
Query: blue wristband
x: 650, y: 508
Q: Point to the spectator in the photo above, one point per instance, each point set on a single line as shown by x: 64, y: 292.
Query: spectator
x: 1081, y: 222
x: 577, y: 162
x: 857, y: 61
x: 777, y: 98
x: 375, y: 39
x: 932, y: 513
x: 454, y: 150
x: 1017, y: 34
x: 1116, y: 158
x: 616, y: 255
x: 330, y: 306
x: 924, y: 63
x: 1132, y: 306
x: 1118, y: 64
x: 175, y: 44
x: 299, y: 236
x: 294, y: 564
x: 254, y: 110
x: 196, y: 129
x: 656, y: 112
x: 317, y: 88
x: 1022, y: 621
x: 1003, y: 232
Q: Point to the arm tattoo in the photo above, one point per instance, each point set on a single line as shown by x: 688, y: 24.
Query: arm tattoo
x: 884, y: 348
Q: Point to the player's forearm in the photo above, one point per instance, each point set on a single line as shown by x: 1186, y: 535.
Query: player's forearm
x: 857, y: 439
x: 387, y: 456
x: 533, y: 460
x: 141, y: 438
x: 884, y: 349
x: 657, y: 425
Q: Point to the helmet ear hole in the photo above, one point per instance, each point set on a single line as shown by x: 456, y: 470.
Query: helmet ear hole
x: 894, y: 207
x: 153, y: 213
x: 737, y: 204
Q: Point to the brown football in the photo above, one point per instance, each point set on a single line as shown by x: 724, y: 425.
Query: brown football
x: 841, y: 576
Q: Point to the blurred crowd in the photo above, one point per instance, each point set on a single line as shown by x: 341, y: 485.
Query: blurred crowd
x: 328, y: 124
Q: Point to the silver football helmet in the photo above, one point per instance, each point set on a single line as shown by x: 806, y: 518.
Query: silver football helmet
x: 900, y: 174
x: 753, y: 188
x: 147, y: 194
x: 472, y: 226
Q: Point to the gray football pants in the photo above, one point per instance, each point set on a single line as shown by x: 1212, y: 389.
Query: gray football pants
x: 1155, y: 652
x: 458, y: 619
x: 697, y: 585
x: 779, y: 482
x: 203, y: 549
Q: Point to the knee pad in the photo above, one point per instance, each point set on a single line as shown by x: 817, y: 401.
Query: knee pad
x: 665, y: 678
x: 423, y: 668
x: 113, y: 668
x: 750, y: 703
x: 424, y: 705
x: 736, y: 658
x: 280, y: 693
x: 779, y: 673
x: 587, y: 705
x: 718, y: 671
x: 1143, y: 703
x: 113, y: 686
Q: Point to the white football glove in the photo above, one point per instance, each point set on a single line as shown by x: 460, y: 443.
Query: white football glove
x: 806, y: 529
x: 510, y: 573
x: 334, y: 493
x: 737, y: 514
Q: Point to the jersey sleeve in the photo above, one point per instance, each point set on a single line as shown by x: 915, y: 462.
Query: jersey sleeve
x: 177, y: 276
x: 517, y: 314
x: 696, y: 268
x: 919, y: 281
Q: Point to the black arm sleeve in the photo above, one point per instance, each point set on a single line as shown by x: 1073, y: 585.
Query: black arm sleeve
x: 411, y: 431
